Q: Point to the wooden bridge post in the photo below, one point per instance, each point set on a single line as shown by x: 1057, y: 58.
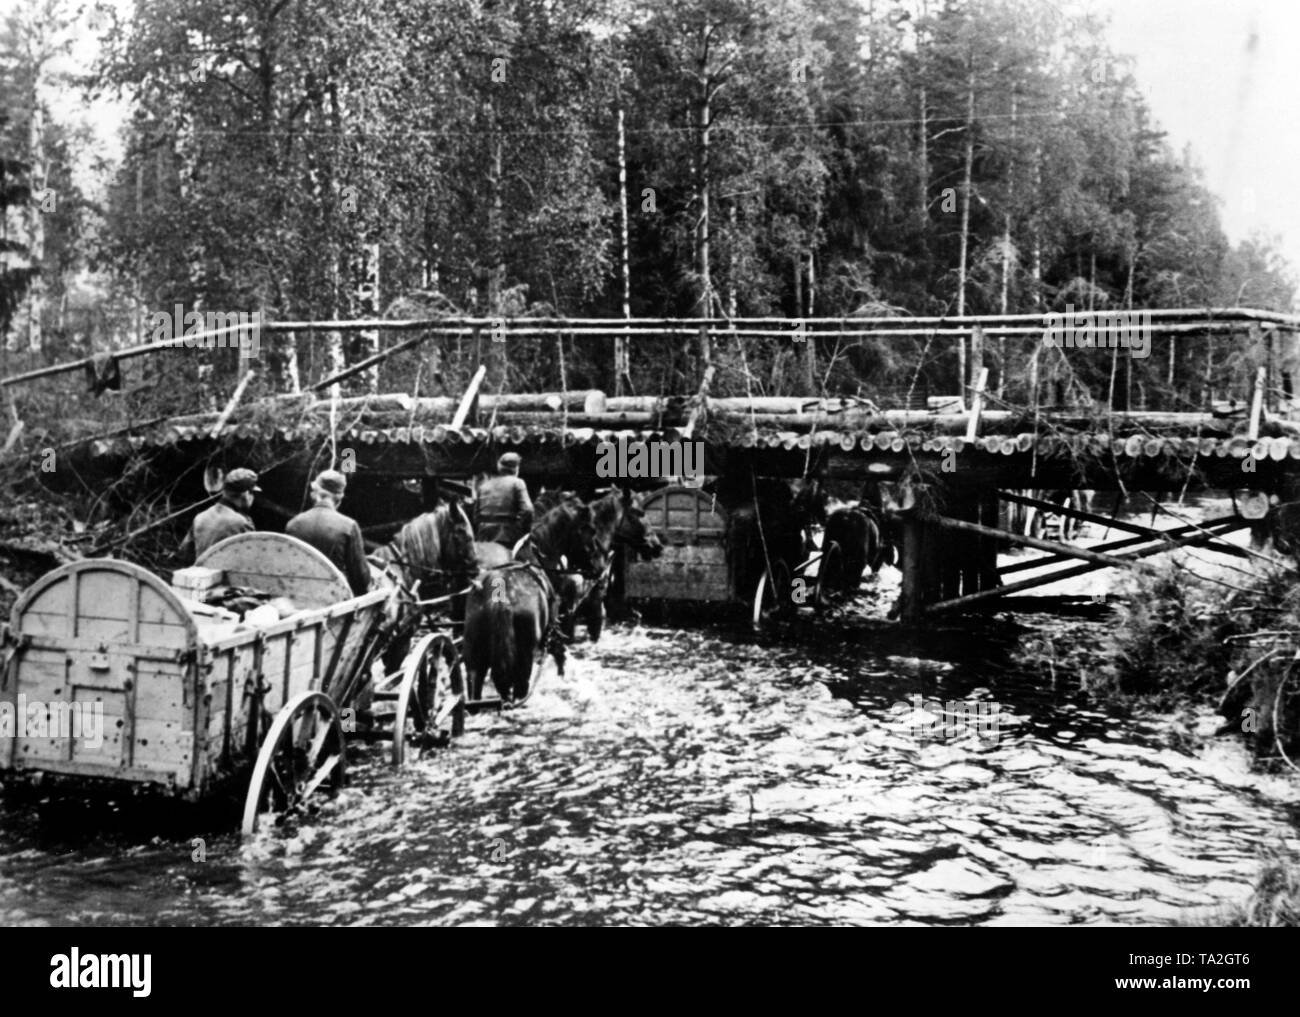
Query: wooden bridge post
x: 912, y: 598
x: 970, y: 559
x: 987, y: 567
x: 922, y: 558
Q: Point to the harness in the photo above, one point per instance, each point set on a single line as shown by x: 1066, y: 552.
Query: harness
x: 552, y: 640
x: 595, y: 579
x: 417, y: 574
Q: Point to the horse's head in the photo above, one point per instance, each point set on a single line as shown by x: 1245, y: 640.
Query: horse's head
x: 634, y: 531
x: 618, y: 519
x: 549, y: 497
x: 456, y: 540
x: 565, y: 532
x: 809, y: 503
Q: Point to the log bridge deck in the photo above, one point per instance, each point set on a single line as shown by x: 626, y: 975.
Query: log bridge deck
x: 969, y: 459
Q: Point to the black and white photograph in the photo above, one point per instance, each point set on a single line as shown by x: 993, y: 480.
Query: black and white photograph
x: 625, y: 463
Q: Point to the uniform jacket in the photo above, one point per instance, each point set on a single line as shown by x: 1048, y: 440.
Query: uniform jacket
x: 213, y: 525
x: 338, y: 538
x: 505, y: 512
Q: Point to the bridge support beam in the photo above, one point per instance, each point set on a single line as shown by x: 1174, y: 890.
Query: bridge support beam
x: 1198, y: 539
x: 950, y: 555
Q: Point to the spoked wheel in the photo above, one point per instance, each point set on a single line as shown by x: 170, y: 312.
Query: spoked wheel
x: 831, y: 580
x: 431, y: 701
x: 300, y: 762
x: 772, y: 597
x: 1280, y: 711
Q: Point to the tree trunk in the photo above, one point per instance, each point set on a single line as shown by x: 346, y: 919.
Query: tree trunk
x: 812, y: 284
x: 1006, y: 252
x: 335, y: 358
x: 1036, y: 259
x: 963, y: 252
x: 731, y: 262
x: 498, y: 363
x: 369, y: 305
x: 923, y: 163
x: 622, y: 367
x: 35, y: 297
x: 923, y: 138
x: 704, y: 302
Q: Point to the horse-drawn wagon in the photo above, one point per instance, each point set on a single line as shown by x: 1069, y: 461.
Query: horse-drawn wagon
x: 190, y: 698
x: 757, y: 554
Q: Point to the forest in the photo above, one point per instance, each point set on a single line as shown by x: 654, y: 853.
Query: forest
x: 596, y: 158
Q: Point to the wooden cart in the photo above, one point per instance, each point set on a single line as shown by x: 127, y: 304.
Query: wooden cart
x: 193, y: 697
x: 695, y: 567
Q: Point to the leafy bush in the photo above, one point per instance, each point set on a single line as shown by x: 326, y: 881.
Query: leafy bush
x: 1276, y: 900
x: 1169, y: 642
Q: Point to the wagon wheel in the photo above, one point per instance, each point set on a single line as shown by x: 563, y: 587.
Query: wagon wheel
x: 831, y: 580
x: 301, y: 759
x: 431, y: 700
x: 1278, y: 720
x: 772, y: 596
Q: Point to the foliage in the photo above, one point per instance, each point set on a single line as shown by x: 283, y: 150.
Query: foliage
x: 1276, y: 900
x: 783, y: 157
x: 1169, y: 642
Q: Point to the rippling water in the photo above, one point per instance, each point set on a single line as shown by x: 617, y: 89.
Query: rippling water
x: 697, y: 776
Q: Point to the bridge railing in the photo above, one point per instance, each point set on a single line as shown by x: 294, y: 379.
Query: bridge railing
x: 1157, y: 356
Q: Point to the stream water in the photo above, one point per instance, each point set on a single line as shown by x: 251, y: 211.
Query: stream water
x: 701, y: 776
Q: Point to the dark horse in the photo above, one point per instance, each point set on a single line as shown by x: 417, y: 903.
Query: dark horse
x: 866, y: 535
x: 618, y: 527
x: 770, y: 523
x: 515, y: 611
x: 431, y: 556
x: 855, y: 532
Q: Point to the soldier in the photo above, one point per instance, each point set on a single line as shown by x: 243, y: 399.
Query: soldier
x: 227, y: 517
x: 336, y: 536
x: 504, y: 511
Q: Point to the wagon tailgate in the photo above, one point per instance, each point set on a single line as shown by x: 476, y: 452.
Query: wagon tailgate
x: 693, y: 566
x: 100, y: 684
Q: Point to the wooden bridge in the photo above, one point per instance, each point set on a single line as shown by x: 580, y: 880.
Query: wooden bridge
x: 951, y: 458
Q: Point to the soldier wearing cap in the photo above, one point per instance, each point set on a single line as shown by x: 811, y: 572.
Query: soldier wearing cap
x: 505, y: 512
x: 336, y: 536
x: 227, y: 517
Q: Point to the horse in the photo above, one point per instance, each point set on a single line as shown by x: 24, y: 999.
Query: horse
x: 617, y: 526
x: 620, y: 529
x: 888, y: 528
x: 432, y: 556
x: 513, y: 608
x: 516, y: 611
x: 1283, y: 524
x: 770, y: 523
x: 858, y: 536
x: 510, y: 619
